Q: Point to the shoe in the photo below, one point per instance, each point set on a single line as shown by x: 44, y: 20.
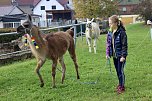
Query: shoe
x: 118, y: 86
x: 120, y: 89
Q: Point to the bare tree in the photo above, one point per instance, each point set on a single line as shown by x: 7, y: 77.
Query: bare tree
x: 145, y: 9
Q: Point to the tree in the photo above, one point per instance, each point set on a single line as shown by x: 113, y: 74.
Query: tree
x: 94, y: 8
x: 145, y: 9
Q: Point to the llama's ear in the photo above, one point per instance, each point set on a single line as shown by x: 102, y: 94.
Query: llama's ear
x: 87, y: 20
x: 29, y: 18
x: 92, y: 19
x: 28, y: 21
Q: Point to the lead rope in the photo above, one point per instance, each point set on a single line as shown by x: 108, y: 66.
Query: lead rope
x: 94, y: 82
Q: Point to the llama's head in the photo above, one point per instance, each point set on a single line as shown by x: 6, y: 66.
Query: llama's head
x: 89, y: 23
x: 26, y: 27
x: 149, y: 22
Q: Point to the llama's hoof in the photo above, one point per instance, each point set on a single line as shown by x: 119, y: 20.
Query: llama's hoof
x: 78, y: 77
x: 41, y: 85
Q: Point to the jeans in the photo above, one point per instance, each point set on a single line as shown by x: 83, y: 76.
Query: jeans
x: 119, y: 66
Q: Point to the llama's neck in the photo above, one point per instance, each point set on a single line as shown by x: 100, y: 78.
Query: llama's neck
x: 40, y: 52
x: 38, y: 38
x: 88, y: 32
x: 29, y: 40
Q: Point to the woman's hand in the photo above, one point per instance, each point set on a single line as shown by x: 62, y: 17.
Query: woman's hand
x: 122, y: 59
x: 107, y: 57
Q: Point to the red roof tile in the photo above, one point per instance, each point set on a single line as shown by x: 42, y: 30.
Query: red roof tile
x: 27, y: 2
x: 63, y: 2
x: 5, y: 2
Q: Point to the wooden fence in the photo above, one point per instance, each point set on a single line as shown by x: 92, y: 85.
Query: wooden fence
x: 10, y: 51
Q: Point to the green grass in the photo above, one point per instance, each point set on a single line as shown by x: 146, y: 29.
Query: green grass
x: 19, y: 82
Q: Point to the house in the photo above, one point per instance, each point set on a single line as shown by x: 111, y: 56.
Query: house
x: 27, y: 5
x: 126, y: 8
x: 9, y: 21
x: 11, y: 14
x: 52, y: 10
x: 43, y: 11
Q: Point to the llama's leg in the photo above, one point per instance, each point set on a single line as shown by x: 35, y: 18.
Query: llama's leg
x: 94, y: 45
x: 39, y: 65
x: 89, y: 44
x: 61, y: 60
x: 73, y: 56
x: 54, y: 72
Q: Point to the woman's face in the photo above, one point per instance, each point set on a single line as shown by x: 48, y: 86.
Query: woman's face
x: 112, y: 25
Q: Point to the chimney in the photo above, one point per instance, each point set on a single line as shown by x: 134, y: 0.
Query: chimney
x: 14, y: 3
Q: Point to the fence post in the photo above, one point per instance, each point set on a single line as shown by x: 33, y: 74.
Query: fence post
x: 75, y: 32
x: 58, y: 29
x: 81, y: 32
x: 151, y: 32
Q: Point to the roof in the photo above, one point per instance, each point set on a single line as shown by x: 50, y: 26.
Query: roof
x: 20, y: 2
x: 9, y: 19
x: 27, y: 5
x: 129, y: 2
x: 58, y: 11
x: 64, y: 3
x: 27, y: 2
x: 5, y: 2
x: 6, y: 10
x: 16, y: 17
x: 26, y: 9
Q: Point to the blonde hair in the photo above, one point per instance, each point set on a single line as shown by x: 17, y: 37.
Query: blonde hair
x: 115, y: 19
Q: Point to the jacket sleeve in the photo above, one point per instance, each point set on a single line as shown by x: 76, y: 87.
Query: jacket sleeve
x: 107, y: 45
x: 124, y: 51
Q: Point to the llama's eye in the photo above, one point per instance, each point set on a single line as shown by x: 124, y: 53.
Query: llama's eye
x: 26, y: 26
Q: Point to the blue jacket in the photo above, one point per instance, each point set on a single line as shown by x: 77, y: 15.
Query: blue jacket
x: 117, y: 45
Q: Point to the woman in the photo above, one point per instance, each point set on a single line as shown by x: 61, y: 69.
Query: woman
x: 117, y: 48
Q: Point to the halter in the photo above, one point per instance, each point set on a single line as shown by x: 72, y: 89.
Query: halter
x: 33, y: 39
x: 89, y: 25
x: 25, y: 30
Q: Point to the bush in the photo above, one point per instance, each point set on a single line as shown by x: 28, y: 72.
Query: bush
x: 7, y: 30
x: 8, y: 38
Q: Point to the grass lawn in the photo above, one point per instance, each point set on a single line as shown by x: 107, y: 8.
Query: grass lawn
x: 19, y: 82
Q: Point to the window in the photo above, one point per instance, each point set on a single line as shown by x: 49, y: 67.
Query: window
x: 8, y: 25
x: 124, y: 9
x: 42, y: 7
x: 47, y: 0
x: 53, y: 7
x: 49, y: 16
x: 16, y: 25
x: 129, y: 0
x: 11, y: 24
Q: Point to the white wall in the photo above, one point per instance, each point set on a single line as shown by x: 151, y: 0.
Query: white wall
x: 48, y: 6
x: 71, y: 4
x: 132, y: 16
x: 1, y: 24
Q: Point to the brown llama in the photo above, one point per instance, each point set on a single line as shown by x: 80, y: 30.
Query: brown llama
x: 51, y: 46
